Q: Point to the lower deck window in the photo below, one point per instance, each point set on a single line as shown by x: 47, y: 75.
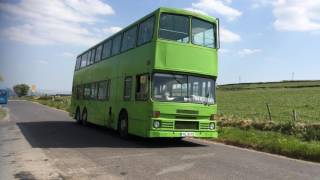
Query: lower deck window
x: 142, y: 89
x: 127, y: 88
x: 102, y: 90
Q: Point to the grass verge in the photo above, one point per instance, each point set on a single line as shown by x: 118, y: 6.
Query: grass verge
x: 2, y: 113
x: 57, y: 102
x: 272, y: 142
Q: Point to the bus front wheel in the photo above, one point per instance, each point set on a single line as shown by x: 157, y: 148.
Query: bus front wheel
x: 123, y: 125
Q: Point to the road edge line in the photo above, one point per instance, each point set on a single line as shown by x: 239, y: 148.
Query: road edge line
x: 253, y: 150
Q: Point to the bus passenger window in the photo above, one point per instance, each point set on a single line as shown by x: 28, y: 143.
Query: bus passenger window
x: 78, y: 62
x: 98, y: 53
x: 102, y: 90
x: 79, y: 92
x: 88, y: 57
x: 116, y: 44
x: 94, y: 91
x: 83, y: 60
x: 146, y: 31
x: 129, y: 39
x: 142, y: 88
x: 127, y: 88
x: 203, y: 33
x: 87, y: 91
x: 106, y: 52
x: 174, y: 27
x: 93, y: 53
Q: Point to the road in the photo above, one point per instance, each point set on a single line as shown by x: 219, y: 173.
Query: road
x: 38, y: 142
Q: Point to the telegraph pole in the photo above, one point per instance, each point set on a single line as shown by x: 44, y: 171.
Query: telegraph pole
x: 292, y: 76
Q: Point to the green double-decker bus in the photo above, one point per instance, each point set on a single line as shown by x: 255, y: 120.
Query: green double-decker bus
x: 154, y: 78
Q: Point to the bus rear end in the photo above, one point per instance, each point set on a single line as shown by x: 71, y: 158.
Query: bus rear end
x: 3, y: 96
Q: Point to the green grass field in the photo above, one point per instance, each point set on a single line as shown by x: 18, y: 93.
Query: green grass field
x: 248, y: 101
x: 272, y: 142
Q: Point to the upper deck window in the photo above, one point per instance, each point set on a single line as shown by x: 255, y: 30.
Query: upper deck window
x: 88, y: 57
x: 98, y: 53
x: 146, y: 31
x: 106, y: 52
x: 174, y: 27
x: 93, y: 53
x: 116, y: 44
x: 78, y: 62
x: 129, y: 39
x: 203, y: 33
x: 83, y: 60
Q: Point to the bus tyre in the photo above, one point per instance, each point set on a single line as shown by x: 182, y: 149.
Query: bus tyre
x: 78, y: 117
x: 84, y: 118
x: 123, y: 125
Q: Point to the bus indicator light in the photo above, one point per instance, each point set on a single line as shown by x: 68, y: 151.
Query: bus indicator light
x: 156, y: 114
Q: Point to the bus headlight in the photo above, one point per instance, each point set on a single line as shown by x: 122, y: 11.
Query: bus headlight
x: 156, y: 124
x: 212, y: 125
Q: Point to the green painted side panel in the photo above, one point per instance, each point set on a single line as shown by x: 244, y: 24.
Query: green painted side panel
x: 130, y: 63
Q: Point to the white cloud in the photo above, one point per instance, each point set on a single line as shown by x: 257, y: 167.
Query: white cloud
x: 297, y: 15
x: 68, y: 54
x: 43, y: 62
x: 216, y: 7
x: 293, y: 15
x: 246, y: 52
x: 228, y: 36
x: 55, y: 21
x: 196, y: 11
x: 260, y: 3
x: 224, y: 51
x: 111, y: 30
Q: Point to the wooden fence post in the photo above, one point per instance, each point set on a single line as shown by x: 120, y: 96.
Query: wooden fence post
x: 269, y: 113
x: 294, y: 114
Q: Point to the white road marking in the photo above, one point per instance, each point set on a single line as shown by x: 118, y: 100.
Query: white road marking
x: 176, y: 168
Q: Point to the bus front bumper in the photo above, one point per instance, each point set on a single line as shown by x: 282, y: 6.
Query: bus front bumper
x: 204, y: 134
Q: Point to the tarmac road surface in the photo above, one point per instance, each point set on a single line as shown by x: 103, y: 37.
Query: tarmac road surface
x: 38, y: 142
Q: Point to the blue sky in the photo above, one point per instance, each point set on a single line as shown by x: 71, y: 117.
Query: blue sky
x: 262, y: 40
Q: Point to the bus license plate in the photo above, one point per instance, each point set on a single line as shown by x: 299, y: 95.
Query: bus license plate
x: 187, y: 134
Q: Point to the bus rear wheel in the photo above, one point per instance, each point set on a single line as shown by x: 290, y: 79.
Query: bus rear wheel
x: 123, y: 125
x: 84, y: 117
x: 78, y: 117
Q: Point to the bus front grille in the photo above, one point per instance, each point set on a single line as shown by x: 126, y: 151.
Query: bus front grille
x: 183, y: 111
x: 187, y: 125
x: 204, y: 126
x: 167, y: 125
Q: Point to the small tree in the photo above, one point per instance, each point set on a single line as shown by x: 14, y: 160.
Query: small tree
x: 1, y: 79
x: 21, y: 89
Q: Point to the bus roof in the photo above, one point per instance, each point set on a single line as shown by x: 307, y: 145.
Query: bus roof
x: 161, y: 9
x: 188, y: 13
